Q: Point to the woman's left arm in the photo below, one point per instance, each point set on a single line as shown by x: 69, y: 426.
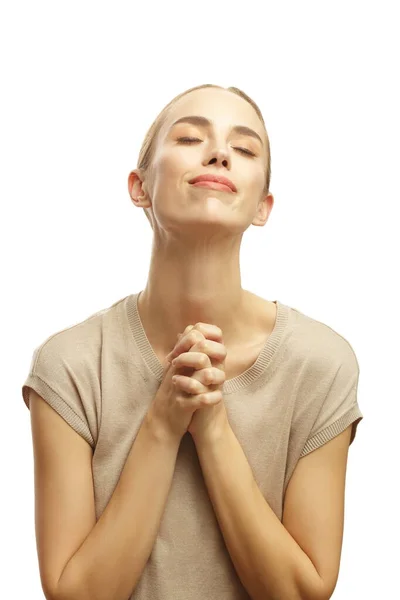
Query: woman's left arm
x: 299, y: 558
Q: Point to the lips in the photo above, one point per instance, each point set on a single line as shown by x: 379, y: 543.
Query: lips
x: 216, y: 179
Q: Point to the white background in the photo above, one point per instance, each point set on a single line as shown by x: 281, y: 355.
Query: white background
x: 81, y: 83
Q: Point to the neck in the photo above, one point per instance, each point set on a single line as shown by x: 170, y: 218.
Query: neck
x: 190, y: 284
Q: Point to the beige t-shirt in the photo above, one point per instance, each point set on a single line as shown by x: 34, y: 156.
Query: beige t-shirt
x: 101, y: 376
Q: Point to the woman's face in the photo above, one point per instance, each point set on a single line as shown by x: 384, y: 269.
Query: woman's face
x: 216, y: 148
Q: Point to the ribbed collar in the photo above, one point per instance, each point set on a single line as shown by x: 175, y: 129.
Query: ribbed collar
x: 230, y: 385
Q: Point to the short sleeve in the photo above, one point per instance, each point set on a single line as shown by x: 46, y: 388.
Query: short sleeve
x: 57, y: 373
x: 340, y: 407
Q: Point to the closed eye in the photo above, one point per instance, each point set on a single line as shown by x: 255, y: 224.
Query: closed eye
x: 190, y: 140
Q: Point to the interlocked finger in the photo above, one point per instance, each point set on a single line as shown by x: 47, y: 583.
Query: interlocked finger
x: 205, y: 379
x: 209, y: 334
x: 196, y: 360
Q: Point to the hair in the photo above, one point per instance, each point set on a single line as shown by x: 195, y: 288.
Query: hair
x: 146, y: 152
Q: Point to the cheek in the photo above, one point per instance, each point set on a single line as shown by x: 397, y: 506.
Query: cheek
x: 257, y: 181
x: 174, y: 165
x: 169, y: 173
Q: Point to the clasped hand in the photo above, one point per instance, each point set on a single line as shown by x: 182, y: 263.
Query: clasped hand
x: 199, y: 367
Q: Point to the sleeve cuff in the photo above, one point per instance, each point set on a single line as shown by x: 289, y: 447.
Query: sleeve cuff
x: 58, y: 404
x: 354, y: 416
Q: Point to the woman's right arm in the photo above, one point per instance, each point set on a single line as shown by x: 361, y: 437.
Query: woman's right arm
x: 79, y: 558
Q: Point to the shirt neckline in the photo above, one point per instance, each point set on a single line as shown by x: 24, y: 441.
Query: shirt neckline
x: 230, y: 385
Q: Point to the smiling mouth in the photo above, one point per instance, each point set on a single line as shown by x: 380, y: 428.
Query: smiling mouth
x: 214, y: 185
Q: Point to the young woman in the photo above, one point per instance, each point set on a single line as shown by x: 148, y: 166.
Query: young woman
x: 230, y: 481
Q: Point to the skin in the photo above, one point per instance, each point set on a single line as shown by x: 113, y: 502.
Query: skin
x: 194, y: 274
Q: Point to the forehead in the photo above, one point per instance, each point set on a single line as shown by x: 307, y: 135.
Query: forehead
x: 224, y: 108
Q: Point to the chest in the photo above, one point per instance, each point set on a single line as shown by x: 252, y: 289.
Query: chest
x: 239, y: 360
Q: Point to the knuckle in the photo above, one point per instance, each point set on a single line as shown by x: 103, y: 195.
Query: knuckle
x: 205, y: 377
x: 203, y: 398
x: 209, y: 375
x: 208, y: 327
x: 195, y: 336
x: 215, y: 396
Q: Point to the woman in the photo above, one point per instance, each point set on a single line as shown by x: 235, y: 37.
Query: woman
x: 229, y: 482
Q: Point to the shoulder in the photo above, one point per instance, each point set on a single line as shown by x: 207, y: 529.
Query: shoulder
x: 319, y: 343
x: 75, y: 344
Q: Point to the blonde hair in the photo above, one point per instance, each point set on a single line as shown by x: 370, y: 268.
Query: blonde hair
x: 146, y: 152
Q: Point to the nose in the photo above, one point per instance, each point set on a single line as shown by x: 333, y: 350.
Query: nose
x: 219, y: 156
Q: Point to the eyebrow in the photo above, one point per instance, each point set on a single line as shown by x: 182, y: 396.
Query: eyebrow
x: 203, y: 122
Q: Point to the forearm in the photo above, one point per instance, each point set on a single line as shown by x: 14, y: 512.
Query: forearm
x: 110, y: 562
x: 269, y: 562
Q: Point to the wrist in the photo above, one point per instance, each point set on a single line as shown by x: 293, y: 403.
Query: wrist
x: 212, y: 435
x: 159, y: 432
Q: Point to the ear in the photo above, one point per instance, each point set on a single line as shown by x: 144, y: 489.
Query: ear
x: 136, y: 184
x: 263, y: 210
